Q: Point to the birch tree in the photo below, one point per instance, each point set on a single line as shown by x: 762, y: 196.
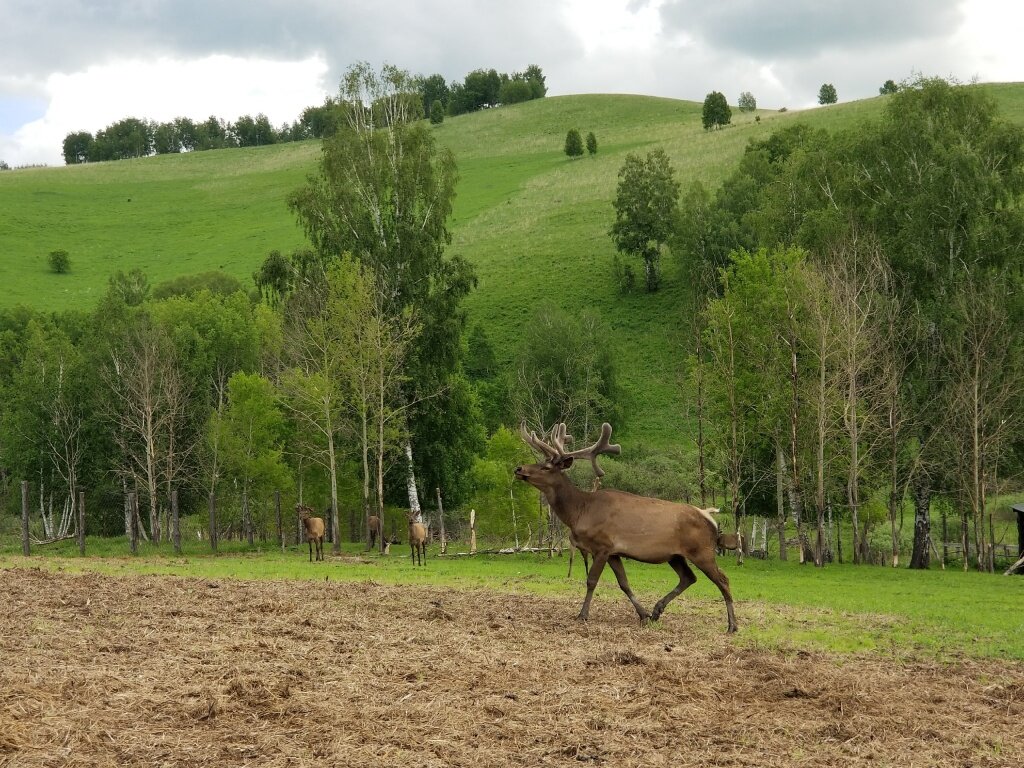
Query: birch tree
x: 384, y: 193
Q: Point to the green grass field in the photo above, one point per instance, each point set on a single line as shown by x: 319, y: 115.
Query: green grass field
x: 533, y: 222
x: 937, y: 614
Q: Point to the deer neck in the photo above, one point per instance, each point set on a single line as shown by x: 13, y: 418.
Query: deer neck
x: 567, y: 501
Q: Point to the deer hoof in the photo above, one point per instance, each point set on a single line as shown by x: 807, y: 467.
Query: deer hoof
x: 582, y: 617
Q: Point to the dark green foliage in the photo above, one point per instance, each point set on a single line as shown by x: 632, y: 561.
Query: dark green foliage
x: 747, y: 102
x: 322, y: 122
x: 565, y: 371
x: 434, y: 90
x: 591, y: 144
x: 827, y: 94
x: 716, y: 112
x: 77, y: 147
x: 437, y: 113
x: 215, y: 281
x: 646, y: 202
x: 515, y: 92
x: 888, y: 87
x: 573, y: 143
x: 59, y: 261
x: 251, y: 131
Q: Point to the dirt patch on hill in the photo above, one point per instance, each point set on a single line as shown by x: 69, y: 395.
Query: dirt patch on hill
x: 163, y: 671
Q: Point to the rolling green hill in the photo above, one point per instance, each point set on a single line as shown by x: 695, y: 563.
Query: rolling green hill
x: 532, y: 221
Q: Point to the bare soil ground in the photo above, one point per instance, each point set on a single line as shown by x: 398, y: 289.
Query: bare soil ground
x: 163, y: 671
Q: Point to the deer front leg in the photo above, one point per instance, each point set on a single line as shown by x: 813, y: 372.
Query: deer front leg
x: 620, y: 575
x: 593, y: 576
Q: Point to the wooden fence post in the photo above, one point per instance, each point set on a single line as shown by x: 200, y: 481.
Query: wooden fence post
x: 247, y: 519
x: 213, y: 521
x: 25, y: 547
x: 133, y: 506
x: 81, y: 523
x: 440, y: 511
x: 280, y: 524
x: 175, y: 520
x: 472, y: 531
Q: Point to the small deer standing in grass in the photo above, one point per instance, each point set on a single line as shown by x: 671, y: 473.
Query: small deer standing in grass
x: 611, y: 525
x: 417, y: 540
x: 314, y: 528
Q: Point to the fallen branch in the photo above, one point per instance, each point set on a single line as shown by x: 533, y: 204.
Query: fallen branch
x: 54, y: 540
x: 1015, y: 567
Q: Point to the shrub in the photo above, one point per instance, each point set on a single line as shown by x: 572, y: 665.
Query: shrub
x: 591, y: 143
x: 573, y: 143
x: 60, y: 262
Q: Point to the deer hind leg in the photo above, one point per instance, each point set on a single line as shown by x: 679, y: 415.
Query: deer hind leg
x: 620, y: 575
x: 709, y: 566
x: 593, y: 576
x: 686, y: 579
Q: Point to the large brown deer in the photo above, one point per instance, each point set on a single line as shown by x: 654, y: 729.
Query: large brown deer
x: 314, y: 528
x: 611, y: 525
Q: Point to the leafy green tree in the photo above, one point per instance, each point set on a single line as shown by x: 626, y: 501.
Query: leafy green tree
x: 323, y: 121
x: 565, y: 371
x: 591, y: 143
x: 165, y: 139
x: 250, y: 435
x: 716, y: 112
x: 77, y: 147
x: 646, y: 204
x: 747, y: 102
x: 827, y: 94
x: 573, y: 143
x: 434, y: 90
x: 515, y: 91
x: 534, y: 75
x: 384, y: 194
x: 506, y: 508
x: 60, y: 261
x: 889, y: 86
x: 436, y: 113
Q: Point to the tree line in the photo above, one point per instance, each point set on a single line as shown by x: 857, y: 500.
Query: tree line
x: 857, y: 320
x: 433, y: 97
x: 343, y: 375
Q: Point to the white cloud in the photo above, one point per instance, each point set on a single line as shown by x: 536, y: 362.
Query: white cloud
x: 161, y: 90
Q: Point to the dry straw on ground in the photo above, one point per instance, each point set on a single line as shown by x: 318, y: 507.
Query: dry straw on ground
x: 161, y: 671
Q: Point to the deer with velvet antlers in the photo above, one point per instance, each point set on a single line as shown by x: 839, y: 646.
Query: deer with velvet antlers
x: 611, y: 525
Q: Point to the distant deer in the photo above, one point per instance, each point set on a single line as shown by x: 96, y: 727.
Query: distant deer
x: 417, y: 540
x: 613, y: 524
x: 374, y: 527
x: 314, y: 527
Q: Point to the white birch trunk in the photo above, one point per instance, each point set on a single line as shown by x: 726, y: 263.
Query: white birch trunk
x: 410, y: 483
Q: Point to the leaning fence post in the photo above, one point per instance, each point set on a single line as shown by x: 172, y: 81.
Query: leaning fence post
x: 25, y: 548
x: 81, y: 523
x: 133, y: 506
x: 280, y: 525
x: 175, y: 520
x: 213, y: 521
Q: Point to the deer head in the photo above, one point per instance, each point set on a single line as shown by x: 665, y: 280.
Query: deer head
x: 547, y: 474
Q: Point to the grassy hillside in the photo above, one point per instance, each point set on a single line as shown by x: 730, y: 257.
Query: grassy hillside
x: 532, y: 221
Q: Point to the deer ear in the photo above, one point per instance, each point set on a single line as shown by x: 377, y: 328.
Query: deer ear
x: 563, y: 463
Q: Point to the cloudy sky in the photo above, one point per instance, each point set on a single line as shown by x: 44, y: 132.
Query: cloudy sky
x: 68, y: 65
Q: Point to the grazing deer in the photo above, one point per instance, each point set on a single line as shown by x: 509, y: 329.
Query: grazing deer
x: 613, y: 524
x: 314, y: 527
x: 417, y: 540
x: 374, y: 527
